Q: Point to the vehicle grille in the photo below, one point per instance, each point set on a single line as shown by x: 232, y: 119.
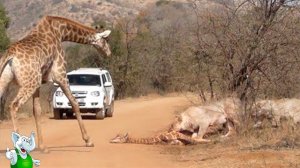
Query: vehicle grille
x: 80, y: 104
x: 79, y: 94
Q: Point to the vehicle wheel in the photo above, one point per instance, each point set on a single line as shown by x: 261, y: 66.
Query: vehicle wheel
x: 57, y: 114
x: 69, y: 115
x: 110, y: 110
x: 100, y: 114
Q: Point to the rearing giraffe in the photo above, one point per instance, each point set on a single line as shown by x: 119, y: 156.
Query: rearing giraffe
x: 39, y: 57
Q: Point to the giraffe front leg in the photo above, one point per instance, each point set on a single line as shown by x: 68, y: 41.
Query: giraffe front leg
x: 59, y: 76
x: 37, y: 117
x: 63, y: 83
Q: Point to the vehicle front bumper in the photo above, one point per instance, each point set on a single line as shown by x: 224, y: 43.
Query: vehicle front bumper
x: 84, y: 103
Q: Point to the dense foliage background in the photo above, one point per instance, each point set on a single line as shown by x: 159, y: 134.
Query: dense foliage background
x: 220, y: 48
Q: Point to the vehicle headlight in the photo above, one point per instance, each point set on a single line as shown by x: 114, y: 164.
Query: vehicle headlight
x: 59, y: 93
x: 95, y: 93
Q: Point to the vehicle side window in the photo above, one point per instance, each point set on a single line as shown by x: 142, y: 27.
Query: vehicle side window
x: 103, y: 78
x: 108, y: 77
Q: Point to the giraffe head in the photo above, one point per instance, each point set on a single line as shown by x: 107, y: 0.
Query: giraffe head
x: 99, y: 41
x: 120, y: 138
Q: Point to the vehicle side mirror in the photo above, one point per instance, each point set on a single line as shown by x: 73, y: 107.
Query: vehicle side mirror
x: 107, y: 84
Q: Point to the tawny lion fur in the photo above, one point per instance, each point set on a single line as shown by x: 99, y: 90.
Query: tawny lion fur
x: 198, y: 119
x: 274, y: 110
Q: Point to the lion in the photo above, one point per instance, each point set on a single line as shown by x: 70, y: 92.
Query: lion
x: 274, y: 110
x: 199, y: 120
x: 229, y: 106
x: 209, y: 118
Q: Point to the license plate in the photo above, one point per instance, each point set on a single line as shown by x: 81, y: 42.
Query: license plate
x: 80, y: 100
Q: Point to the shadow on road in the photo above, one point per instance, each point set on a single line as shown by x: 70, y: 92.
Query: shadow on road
x: 69, y: 148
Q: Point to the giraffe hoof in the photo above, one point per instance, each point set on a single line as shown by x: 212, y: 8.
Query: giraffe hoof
x: 90, y: 144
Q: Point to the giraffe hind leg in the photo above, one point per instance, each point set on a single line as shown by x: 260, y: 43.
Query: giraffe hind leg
x: 24, y: 93
x: 6, y: 78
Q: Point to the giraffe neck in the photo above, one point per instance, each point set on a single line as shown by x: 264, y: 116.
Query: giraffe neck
x: 66, y: 30
x: 174, y: 135
x: 152, y: 140
x: 166, y: 137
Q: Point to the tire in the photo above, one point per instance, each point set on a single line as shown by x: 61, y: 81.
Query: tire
x: 57, y: 114
x: 110, y: 110
x: 69, y: 115
x: 100, y: 114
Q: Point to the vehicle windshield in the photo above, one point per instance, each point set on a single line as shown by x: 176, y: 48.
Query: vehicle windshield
x: 84, y: 79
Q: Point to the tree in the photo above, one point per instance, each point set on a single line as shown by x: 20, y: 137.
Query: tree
x: 4, y: 43
x: 242, y: 39
x: 4, y: 24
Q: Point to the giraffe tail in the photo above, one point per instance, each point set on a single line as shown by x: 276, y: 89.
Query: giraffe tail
x: 4, y: 60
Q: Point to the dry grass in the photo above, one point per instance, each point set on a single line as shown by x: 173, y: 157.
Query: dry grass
x: 268, y: 147
x: 287, y: 135
x: 250, y: 147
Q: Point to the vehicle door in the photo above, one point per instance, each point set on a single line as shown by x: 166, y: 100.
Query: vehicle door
x: 108, y: 87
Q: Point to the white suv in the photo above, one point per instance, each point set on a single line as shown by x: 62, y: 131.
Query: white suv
x: 93, y: 90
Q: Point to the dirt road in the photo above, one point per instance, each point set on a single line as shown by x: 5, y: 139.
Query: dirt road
x: 139, y: 117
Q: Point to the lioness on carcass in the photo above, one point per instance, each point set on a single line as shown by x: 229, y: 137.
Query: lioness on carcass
x: 274, y: 110
x: 199, y: 119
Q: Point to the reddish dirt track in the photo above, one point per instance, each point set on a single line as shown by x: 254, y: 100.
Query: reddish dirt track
x: 140, y: 117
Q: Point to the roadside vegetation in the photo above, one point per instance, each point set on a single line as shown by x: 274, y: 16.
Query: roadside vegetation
x: 248, y: 47
x: 4, y: 43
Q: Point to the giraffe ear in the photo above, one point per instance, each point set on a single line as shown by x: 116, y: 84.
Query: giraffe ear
x: 105, y: 34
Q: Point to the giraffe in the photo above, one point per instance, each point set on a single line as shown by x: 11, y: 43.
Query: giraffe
x: 38, y: 58
x: 172, y: 137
